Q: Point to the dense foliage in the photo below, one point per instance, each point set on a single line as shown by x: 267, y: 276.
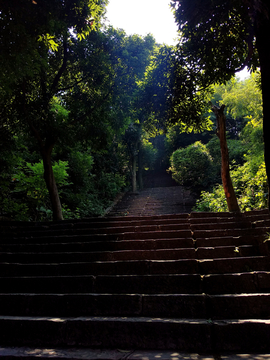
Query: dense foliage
x: 84, y: 110
x: 192, y: 166
x: 221, y: 37
x: 246, y: 150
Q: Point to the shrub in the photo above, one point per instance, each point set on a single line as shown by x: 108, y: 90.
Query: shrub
x: 192, y: 166
x: 250, y: 188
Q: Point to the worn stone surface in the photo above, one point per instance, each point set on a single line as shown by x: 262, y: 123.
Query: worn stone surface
x: 118, y: 354
x: 172, y: 199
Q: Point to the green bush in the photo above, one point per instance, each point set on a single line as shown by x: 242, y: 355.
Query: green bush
x: 212, y: 201
x: 28, y: 197
x: 250, y: 188
x: 90, y: 193
x: 192, y: 166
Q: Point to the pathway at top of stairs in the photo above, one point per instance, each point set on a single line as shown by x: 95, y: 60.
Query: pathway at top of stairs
x: 155, y: 201
x: 136, y: 287
x: 161, y: 195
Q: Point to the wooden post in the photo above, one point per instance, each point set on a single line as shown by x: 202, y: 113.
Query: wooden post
x: 225, y: 168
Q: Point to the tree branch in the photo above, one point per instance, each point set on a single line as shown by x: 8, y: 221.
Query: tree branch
x: 75, y: 83
x: 62, y: 68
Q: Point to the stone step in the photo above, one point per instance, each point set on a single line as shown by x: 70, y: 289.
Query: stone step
x: 226, y: 251
x: 139, y: 267
x: 213, y: 284
x: 239, y: 306
x: 234, y: 265
x: 120, y: 284
x: 100, y: 245
x: 131, y: 267
x: 220, y: 225
x: 102, y: 229
x: 107, y: 332
x: 18, y: 227
x: 148, y: 235
x: 197, y: 282
x: 140, y: 333
x: 247, y: 214
x: 72, y: 305
x: 66, y: 257
x: 229, y: 232
x: 153, y: 254
x: 105, y: 230
x: 236, y: 283
x: 220, y: 220
x: 8, y: 353
x: 198, y: 222
x: 9, y: 227
x: 193, y: 306
x: 229, y: 240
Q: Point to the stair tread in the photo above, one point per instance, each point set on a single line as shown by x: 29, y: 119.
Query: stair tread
x: 117, y: 354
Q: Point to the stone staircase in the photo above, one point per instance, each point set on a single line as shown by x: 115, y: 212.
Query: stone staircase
x: 196, y: 282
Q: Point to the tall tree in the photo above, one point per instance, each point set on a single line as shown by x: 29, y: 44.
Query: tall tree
x: 225, y: 168
x: 219, y: 38
x: 38, y: 40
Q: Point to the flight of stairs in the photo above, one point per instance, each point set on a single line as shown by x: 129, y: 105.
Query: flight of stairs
x: 196, y: 282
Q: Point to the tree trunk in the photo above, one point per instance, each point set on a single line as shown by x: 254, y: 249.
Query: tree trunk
x: 50, y: 182
x: 262, y: 31
x: 140, y: 166
x: 225, y: 168
x: 46, y: 148
x: 133, y: 173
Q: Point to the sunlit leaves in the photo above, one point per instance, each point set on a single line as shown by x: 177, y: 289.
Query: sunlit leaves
x: 217, y: 37
x: 49, y: 41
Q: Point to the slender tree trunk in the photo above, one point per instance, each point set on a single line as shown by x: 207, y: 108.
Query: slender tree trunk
x: 133, y: 173
x: 140, y: 166
x: 225, y: 168
x: 46, y: 148
x: 51, y: 184
x: 262, y: 31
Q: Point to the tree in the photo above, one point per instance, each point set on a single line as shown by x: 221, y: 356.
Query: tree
x: 219, y: 38
x: 44, y: 35
x: 134, y: 55
x: 225, y: 167
x: 192, y: 166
